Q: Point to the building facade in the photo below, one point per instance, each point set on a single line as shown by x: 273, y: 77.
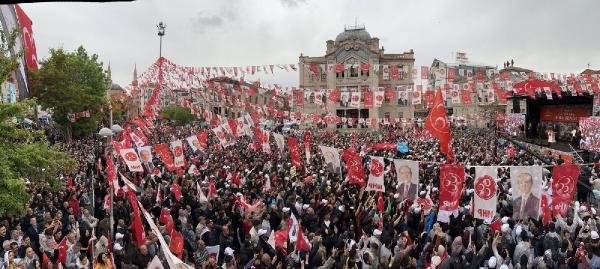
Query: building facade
x: 481, y: 111
x: 366, y: 67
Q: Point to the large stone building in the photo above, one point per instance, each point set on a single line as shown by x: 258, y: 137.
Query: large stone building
x: 365, y: 67
x: 480, y: 111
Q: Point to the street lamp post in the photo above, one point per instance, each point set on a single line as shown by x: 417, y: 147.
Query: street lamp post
x: 105, y: 133
x: 161, y: 32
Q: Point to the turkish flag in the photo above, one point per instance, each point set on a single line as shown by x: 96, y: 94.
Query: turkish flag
x: 281, y: 239
x: 451, y: 184
x: 165, y: 155
x: 164, y: 216
x: 136, y: 219
x: 437, y: 124
x: 176, y: 244
x: 27, y: 36
x: 564, y: 183
x: 368, y: 99
x: 294, y: 152
x: 315, y: 69
x: 233, y: 126
x: 354, y: 166
x: 62, y: 251
x: 380, y: 203
x: 501, y: 95
x: 496, y: 225
x: 176, y: 191
x: 301, y: 244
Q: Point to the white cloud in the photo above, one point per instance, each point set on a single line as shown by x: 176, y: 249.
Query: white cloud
x: 542, y: 35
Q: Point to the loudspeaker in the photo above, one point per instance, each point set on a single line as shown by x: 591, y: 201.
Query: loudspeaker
x: 516, y: 105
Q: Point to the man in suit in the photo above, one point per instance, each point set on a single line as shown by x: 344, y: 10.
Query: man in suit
x: 526, y: 205
x: 406, y: 188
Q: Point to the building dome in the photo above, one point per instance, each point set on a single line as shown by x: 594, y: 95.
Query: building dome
x: 116, y: 87
x: 358, y: 33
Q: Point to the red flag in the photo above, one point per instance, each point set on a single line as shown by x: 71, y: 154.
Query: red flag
x: 176, y: 191
x: 165, y: 155
x: 380, y: 202
x: 451, y: 184
x: 437, y: 123
x: 429, y: 98
x: 294, y: 152
x: 301, y: 244
x: 233, y: 126
x: 354, y: 166
x: 202, y: 137
x: 368, y: 99
x: 334, y: 96
x: 27, y: 36
x: 136, y: 222
x: 564, y: 183
x: 281, y: 239
x: 545, y: 208
x: 315, y: 69
x: 212, y: 189
x: 176, y: 244
x: 164, y: 216
x: 62, y: 251
x: 496, y: 225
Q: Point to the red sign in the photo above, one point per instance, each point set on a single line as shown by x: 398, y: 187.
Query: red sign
x: 451, y: 182
x: 485, y: 187
x: 564, y: 182
x: 564, y: 113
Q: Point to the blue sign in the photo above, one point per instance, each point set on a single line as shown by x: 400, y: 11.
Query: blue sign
x: 402, y: 147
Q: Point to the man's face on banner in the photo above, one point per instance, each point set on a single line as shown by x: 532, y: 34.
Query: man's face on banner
x: 525, y: 182
x: 145, y: 155
x: 405, y: 174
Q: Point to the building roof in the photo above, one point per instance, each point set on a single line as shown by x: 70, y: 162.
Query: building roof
x: 116, y: 87
x: 590, y: 72
x: 353, y: 33
x: 516, y: 69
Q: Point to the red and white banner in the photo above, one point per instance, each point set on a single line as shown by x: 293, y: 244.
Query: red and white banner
x: 355, y: 99
x: 354, y: 167
x: 368, y: 99
x: 28, y: 40
x: 455, y: 94
x: 376, y: 169
x: 451, y: 184
x: 407, y: 173
x: 564, y: 183
x: 466, y: 95
x: 202, y: 140
x: 294, y: 152
x: 486, y: 198
x: 165, y: 155
x: 139, y: 142
x: 132, y: 160
x: 145, y: 154
x: 416, y: 96
x: 193, y: 142
x: 178, y: 158
x: 527, y: 189
x: 332, y: 158
x: 379, y: 95
x: 220, y: 134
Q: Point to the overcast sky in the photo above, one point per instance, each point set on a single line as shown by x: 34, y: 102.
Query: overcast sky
x: 546, y: 36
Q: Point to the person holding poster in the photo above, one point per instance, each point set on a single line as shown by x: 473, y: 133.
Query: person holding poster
x: 407, y: 179
x: 526, y: 182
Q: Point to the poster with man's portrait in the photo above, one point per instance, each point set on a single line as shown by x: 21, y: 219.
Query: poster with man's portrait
x: 407, y: 173
x: 526, y: 182
x: 145, y: 154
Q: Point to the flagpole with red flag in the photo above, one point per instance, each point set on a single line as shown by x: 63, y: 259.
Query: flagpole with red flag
x: 438, y: 125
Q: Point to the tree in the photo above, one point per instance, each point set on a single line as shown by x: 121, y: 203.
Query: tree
x: 9, y: 60
x: 179, y: 115
x: 26, y: 156
x: 71, y: 82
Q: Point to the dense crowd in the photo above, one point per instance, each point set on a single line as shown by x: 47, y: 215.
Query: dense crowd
x: 340, y: 220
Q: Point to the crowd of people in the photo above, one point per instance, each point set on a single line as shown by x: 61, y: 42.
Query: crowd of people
x: 341, y: 221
